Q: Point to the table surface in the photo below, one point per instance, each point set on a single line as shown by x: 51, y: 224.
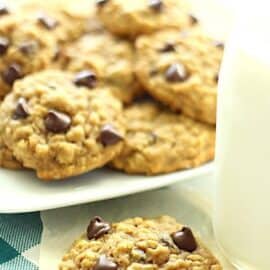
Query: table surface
x: 20, y: 234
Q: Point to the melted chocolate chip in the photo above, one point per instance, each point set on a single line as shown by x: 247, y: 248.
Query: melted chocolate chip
x: 97, y: 228
x: 12, y: 73
x: 156, y: 5
x: 4, y: 44
x: 28, y: 47
x: 47, y: 21
x: 185, y: 240
x: 21, y: 110
x: 193, y: 19
x: 109, y: 135
x: 57, y: 122
x: 168, y: 47
x: 3, y: 10
x: 101, y: 3
x: 104, y: 263
x: 86, y: 78
x: 219, y: 45
x: 176, y: 73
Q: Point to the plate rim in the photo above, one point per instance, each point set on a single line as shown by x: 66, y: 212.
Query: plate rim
x: 170, y: 179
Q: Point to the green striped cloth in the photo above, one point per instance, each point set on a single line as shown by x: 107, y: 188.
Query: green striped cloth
x: 20, y: 237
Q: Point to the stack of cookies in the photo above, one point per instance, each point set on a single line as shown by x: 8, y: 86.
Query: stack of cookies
x: 129, y: 84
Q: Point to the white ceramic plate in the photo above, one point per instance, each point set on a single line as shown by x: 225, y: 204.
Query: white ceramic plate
x: 21, y: 191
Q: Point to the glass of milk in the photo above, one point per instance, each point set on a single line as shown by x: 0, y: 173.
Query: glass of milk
x: 242, y: 210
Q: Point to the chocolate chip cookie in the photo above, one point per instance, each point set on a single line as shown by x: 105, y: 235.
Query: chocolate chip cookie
x: 110, y: 57
x: 139, y: 244
x: 67, y: 20
x: 60, y: 124
x: 181, y: 70
x: 159, y: 141
x: 132, y: 18
x: 24, y: 48
x: 31, y: 36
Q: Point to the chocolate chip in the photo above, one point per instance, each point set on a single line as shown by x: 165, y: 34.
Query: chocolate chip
x: 168, y: 47
x: 193, y: 19
x: 3, y: 10
x: 185, y: 240
x: 47, y: 21
x: 109, y: 135
x: 219, y: 44
x: 156, y: 5
x: 4, y: 44
x: 176, y: 73
x: 28, y: 47
x: 97, y: 228
x: 104, y: 263
x: 101, y: 3
x: 21, y: 110
x: 217, y: 78
x: 57, y: 122
x: 153, y: 72
x: 86, y: 78
x: 12, y: 73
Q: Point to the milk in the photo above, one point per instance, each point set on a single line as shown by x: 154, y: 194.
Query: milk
x: 242, y: 211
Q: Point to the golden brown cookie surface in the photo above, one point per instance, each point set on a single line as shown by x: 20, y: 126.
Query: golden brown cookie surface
x: 159, y: 141
x: 60, y: 124
x: 132, y: 18
x: 7, y: 159
x: 111, y: 58
x: 31, y: 35
x: 181, y: 70
x: 139, y: 244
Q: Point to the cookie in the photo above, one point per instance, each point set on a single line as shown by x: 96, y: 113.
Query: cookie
x: 24, y: 48
x: 67, y: 20
x: 7, y: 159
x: 30, y: 39
x: 181, y: 70
x: 139, y: 244
x: 60, y: 124
x: 159, y: 141
x: 111, y: 58
x: 133, y: 18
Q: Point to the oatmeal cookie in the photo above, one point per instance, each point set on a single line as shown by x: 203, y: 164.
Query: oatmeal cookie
x: 31, y: 38
x: 110, y: 57
x: 133, y: 18
x: 181, y: 70
x: 139, y: 244
x: 24, y: 48
x: 159, y: 141
x: 61, y: 124
x: 67, y: 20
